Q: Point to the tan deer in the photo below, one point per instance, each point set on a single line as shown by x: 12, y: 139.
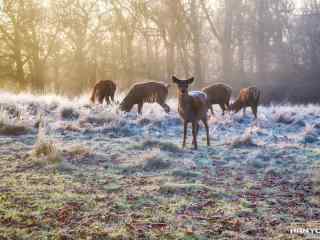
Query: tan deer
x: 147, y: 92
x: 192, y: 107
x: 248, y: 97
x: 103, y: 90
x: 218, y: 94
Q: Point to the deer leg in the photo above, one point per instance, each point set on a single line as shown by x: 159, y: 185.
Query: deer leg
x: 140, y: 105
x: 255, y: 111
x: 130, y: 107
x: 226, y: 107
x: 197, y: 131
x: 185, y: 126
x: 107, y: 99
x: 198, y: 126
x: 112, y: 97
x: 100, y: 99
x: 222, y: 107
x: 244, y: 111
x: 211, y: 109
x: 205, y: 123
x: 194, y: 134
x: 227, y: 104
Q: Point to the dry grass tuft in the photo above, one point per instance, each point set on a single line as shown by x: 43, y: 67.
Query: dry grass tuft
x: 11, y: 127
x: 182, y: 188
x: 164, y: 146
x: 45, y: 149
x: 154, y: 163
x: 13, y: 130
x: 284, y: 118
x: 78, y: 151
x: 243, y: 141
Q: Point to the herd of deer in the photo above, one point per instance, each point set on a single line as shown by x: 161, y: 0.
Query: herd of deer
x: 193, y: 106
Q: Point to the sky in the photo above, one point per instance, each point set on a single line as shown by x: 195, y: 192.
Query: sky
x: 298, y: 3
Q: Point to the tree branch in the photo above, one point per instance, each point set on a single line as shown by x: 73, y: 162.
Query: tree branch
x: 213, y: 28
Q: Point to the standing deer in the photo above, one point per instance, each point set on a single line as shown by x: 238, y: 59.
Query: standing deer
x: 218, y: 94
x: 141, y: 93
x: 103, y: 89
x: 248, y: 97
x: 192, y: 107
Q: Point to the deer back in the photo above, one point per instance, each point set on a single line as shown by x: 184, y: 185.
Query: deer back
x: 218, y: 93
x: 145, y: 92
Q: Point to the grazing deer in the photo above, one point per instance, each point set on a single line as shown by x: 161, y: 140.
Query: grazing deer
x: 248, y: 97
x: 103, y: 89
x: 192, y: 107
x: 218, y: 94
x: 148, y: 92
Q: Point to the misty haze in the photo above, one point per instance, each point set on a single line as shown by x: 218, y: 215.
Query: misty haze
x: 64, y: 47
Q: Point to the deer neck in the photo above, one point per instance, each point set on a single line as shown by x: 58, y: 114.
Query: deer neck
x: 184, y: 104
x: 238, y: 105
x: 183, y: 97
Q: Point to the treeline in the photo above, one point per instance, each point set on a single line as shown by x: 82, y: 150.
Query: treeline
x: 66, y: 45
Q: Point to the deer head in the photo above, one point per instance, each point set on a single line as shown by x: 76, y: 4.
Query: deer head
x: 183, y: 85
x: 126, y: 105
x: 235, y: 106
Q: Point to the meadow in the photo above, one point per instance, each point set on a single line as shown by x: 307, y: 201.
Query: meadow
x: 70, y: 169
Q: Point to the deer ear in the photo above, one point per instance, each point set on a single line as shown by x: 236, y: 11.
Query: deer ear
x: 190, y: 80
x: 174, y: 79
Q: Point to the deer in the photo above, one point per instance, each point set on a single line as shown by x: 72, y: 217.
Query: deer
x: 248, y: 97
x: 218, y: 94
x: 146, y: 92
x: 103, y: 90
x: 192, y: 107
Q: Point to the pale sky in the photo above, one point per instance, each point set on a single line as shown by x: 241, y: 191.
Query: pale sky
x: 298, y: 3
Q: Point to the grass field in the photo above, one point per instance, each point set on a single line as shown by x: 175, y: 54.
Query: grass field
x: 73, y: 170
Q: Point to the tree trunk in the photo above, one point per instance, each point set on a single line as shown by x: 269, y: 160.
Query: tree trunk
x: 183, y: 55
x: 241, y: 43
x: 56, y: 75
x: 226, y: 46
x: 37, y: 77
x: 170, y: 59
x: 196, y: 30
x: 20, y: 74
x: 261, y: 40
x: 149, y: 56
x: 130, y: 74
x: 172, y: 10
x: 37, y: 71
x: 158, y: 69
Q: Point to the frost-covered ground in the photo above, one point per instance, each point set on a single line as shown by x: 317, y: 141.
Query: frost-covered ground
x: 73, y: 170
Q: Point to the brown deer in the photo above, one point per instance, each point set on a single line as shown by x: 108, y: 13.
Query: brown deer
x: 104, y: 89
x: 248, y: 97
x: 147, y: 92
x: 218, y: 94
x: 192, y: 107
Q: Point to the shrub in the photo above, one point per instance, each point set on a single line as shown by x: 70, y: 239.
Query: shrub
x: 69, y: 113
x: 154, y: 163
